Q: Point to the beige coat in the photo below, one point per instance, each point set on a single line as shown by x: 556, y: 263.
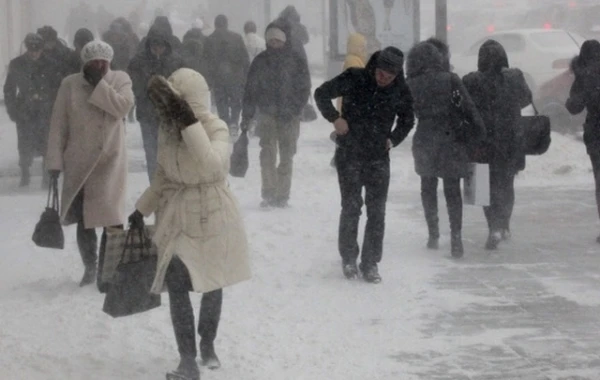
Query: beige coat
x: 198, y: 218
x: 87, y: 144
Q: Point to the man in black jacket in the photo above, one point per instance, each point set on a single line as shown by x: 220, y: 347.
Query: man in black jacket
x: 278, y: 86
x: 29, y: 93
x: 227, y: 64
x: 373, y: 99
x: 157, y: 58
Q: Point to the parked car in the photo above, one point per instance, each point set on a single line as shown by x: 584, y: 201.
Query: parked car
x: 541, y: 54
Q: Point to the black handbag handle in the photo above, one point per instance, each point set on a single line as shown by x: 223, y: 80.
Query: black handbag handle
x: 129, y: 241
x: 53, y: 202
x: 535, y: 109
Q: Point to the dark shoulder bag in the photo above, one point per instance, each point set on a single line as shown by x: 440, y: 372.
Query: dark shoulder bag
x: 238, y: 162
x: 48, y: 231
x: 533, y: 134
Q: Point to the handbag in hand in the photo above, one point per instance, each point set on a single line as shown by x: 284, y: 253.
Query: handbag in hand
x: 309, y: 114
x: 48, y: 231
x: 129, y: 289
x: 533, y: 134
x: 239, y: 157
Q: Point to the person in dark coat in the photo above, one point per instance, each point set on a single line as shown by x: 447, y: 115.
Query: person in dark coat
x: 163, y: 23
x: 157, y: 58
x: 278, y: 86
x: 56, y: 50
x: 499, y: 92
x: 120, y: 37
x: 82, y: 37
x: 227, y: 63
x: 29, y: 93
x: 192, y: 50
x: 585, y: 95
x: 374, y: 98
x: 437, y: 149
x: 299, y: 33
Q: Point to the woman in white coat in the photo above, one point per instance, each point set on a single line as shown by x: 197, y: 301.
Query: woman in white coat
x: 200, y: 236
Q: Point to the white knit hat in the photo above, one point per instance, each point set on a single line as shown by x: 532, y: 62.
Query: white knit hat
x: 97, y: 50
x: 274, y: 33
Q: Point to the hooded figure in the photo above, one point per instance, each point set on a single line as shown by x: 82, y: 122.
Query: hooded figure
x: 163, y: 24
x: 376, y: 115
x: 499, y: 94
x: 227, y: 64
x: 200, y: 235
x: 157, y: 58
x: 437, y: 149
x: 585, y: 95
x: 298, y: 32
x: 87, y: 143
x: 278, y: 87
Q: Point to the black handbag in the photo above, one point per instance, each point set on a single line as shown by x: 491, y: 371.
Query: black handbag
x: 48, y: 231
x: 239, y: 157
x: 129, y: 289
x: 533, y: 134
x: 309, y: 114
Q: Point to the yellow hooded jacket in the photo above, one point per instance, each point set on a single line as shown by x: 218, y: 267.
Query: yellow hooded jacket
x: 356, y: 55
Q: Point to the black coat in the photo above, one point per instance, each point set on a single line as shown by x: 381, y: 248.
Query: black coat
x: 278, y: 84
x: 369, y: 110
x: 30, y: 88
x: 298, y: 32
x: 226, y: 57
x: 500, y: 97
x: 143, y: 66
x: 585, y: 95
x: 437, y: 150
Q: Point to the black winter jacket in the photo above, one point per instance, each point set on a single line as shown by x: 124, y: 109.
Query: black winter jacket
x: 226, y: 57
x: 369, y: 110
x: 585, y: 94
x: 30, y: 88
x: 278, y: 84
x: 145, y: 65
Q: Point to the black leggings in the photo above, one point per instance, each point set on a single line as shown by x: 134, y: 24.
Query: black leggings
x: 453, y: 203
x: 182, y: 313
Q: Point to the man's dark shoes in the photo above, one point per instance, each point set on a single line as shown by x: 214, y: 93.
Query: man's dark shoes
x: 187, y: 370
x: 350, y: 271
x: 370, y: 273
x: 209, y: 356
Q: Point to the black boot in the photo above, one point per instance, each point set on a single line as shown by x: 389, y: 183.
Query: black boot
x: 89, y: 275
x: 430, y: 207
x: 456, y: 245
x: 87, y: 242
x: 25, y: 177
x: 492, y: 241
x: 209, y: 356
x: 187, y: 370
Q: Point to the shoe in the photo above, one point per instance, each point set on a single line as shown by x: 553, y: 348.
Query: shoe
x: 433, y: 243
x: 456, y: 246
x: 280, y: 203
x: 350, y: 271
x: 209, y: 357
x: 493, y: 240
x: 89, y: 276
x: 506, y: 235
x: 370, y: 273
x: 187, y: 370
x: 266, y: 203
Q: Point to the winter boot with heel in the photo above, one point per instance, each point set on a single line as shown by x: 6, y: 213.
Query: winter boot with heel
x: 187, y: 370
x: 456, y: 245
x: 209, y: 356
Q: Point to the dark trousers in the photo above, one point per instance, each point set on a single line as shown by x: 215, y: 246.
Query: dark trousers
x: 430, y: 204
x: 150, y: 139
x: 595, y: 158
x: 374, y: 176
x: 502, y: 197
x: 31, y: 141
x: 228, y: 99
x: 182, y: 313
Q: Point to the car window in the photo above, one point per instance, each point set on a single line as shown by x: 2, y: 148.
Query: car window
x: 511, y: 42
x: 553, y: 39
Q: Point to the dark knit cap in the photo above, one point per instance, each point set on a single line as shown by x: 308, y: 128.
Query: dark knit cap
x: 82, y: 37
x: 391, y: 59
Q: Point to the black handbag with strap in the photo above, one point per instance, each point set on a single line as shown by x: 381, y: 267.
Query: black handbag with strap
x: 48, y: 231
x: 533, y: 134
x: 129, y: 291
x: 239, y: 157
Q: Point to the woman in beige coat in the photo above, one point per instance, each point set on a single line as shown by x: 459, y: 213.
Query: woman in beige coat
x: 199, y: 231
x: 87, y: 142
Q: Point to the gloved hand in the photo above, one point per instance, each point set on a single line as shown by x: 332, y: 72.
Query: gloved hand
x: 136, y: 220
x: 180, y: 111
x: 92, y: 75
x: 54, y: 174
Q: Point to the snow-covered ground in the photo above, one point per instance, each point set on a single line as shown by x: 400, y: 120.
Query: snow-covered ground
x: 298, y: 318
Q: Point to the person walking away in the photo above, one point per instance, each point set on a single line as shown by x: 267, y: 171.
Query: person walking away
x: 28, y: 96
x: 278, y: 87
x: 56, y: 50
x: 374, y: 98
x: 87, y: 144
x: 356, y: 56
x: 119, y: 39
x: 82, y: 37
x: 227, y: 67
x: 200, y: 234
x: 437, y: 149
x: 500, y: 93
x: 157, y: 58
x: 298, y: 32
x: 585, y: 95
x: 254, y: 43
x: 192, y: 50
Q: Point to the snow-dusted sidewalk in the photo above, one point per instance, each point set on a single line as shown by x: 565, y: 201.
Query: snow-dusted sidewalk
x: 529, y: 311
